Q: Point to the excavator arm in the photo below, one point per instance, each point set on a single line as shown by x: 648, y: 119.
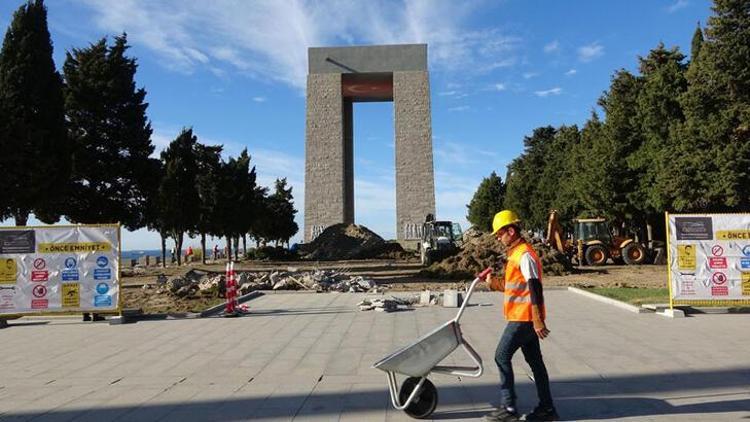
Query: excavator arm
x: 554, y: 232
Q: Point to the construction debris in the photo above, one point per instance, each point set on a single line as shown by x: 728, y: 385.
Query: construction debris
x: 195, y: 282
x: 482, y: 250
x: 388, y: 305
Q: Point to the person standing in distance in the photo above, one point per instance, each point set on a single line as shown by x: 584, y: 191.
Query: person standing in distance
x: 523, y: 306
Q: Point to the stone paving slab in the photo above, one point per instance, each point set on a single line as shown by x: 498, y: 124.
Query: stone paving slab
x: 308, y: 357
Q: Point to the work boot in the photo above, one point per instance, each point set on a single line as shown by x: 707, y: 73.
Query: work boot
x: 542, y: 414
x: 86, y: 316
x: 503, y: 414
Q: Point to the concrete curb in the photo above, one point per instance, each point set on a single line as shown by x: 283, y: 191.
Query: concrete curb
x: 603, y: 299
x: 671, y: 313
x: 218, y: 309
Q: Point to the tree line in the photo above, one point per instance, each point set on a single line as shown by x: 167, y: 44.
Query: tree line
x: 78, y: 145
x: 673, y: 137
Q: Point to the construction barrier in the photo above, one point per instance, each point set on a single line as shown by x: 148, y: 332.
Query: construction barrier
x: 50, y: 269
x: 708, y: 259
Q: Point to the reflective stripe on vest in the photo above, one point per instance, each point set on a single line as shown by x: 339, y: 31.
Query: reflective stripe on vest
x: 517, y: 303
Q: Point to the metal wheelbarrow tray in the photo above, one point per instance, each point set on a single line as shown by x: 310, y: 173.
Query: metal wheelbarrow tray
x: 418, y: 396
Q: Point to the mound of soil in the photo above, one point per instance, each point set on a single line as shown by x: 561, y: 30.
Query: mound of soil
x: 349, y: 241
x: 482, y: 250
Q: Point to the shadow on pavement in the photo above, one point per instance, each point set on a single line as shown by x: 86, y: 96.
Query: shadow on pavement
x: 582, y: 398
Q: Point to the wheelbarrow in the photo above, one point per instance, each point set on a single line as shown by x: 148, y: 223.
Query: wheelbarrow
x: 418, y: 396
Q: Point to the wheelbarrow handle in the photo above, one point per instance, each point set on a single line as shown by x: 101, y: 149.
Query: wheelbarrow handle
x: 481, y: 276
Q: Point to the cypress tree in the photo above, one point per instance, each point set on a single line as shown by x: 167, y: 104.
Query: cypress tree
x: 111, y: 134
x: 208, y: 184
x: 522, y: 181
x: 34, y: 148
x: 710, y: 161
x: 179, y: 201
x: 621, y: 137
x: 697, y: 42
x: 658, y: 113
x: 282, y: 212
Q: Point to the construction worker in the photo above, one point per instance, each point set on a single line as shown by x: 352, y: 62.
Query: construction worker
x: 524, y: 310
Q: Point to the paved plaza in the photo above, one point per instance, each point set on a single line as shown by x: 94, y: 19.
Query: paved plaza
x: 308, y: 357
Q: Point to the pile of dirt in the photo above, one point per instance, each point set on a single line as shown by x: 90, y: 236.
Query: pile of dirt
x: 482, y: 250
x: 349, y: 241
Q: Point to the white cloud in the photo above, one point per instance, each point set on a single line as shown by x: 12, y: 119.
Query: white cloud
x: 259, y: 99
x: 548, y: 92
x: 459, y: 108
x: 268, y: 39
x: 679, y: 4
x: 499, y: 87
x: 453, y: 94
x: 571, y: 72
x: 590, y: 52
x: 529, y: 75
x: 552, y: 47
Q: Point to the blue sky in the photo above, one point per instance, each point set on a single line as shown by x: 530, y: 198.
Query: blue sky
x: 235, y: 71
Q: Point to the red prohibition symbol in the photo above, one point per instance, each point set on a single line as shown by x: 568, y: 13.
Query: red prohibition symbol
x: 719, y: 278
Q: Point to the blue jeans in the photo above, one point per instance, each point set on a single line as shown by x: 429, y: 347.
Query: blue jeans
x: 521, y: 335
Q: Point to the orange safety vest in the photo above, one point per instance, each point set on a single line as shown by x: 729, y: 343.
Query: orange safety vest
x: 517, y: 306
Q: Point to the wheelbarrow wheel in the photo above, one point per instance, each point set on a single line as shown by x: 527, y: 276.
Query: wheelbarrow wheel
x: 424, y: 403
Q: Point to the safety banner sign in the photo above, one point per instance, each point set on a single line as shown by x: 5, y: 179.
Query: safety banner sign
x: 709, y: 259
x: 59, y: 269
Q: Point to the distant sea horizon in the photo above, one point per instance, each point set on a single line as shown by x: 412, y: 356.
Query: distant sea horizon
x: 136, y: 253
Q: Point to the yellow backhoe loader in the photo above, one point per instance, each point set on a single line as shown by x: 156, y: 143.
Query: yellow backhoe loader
x: 593, y: 242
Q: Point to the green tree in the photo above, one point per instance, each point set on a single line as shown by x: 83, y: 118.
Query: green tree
x: 522, y: 180
x: 282, y: 212
x: 152, y: 213
x: 709, y: 165
x: 658, y: 113
x: 591, y: 186
x: 34, y: 148
x: 237, y: 205
x: 554, y: 190
x: 179, y: 201
x: 111, y: 134
x: 208, y: 184
x: 486, y: 202
x: 622, y: 136
x: 697, y: 42
x: 261, y: 228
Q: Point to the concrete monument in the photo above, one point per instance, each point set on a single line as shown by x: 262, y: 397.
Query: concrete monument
x: 340, y: 76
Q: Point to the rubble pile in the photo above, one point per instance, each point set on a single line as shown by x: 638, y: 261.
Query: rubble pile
x: 350, y: 241
x: 195, y: 282
x: 482, y: 250
x: 392, y: 304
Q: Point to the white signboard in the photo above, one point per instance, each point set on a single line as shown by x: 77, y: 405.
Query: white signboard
x: 709, y: 258
x: 59, y: 269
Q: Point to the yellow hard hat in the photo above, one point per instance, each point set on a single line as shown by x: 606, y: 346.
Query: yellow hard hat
x: 504, y: 218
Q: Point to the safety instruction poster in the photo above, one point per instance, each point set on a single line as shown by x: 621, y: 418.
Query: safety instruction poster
x: 709, y: 258
x: 59, y: 269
